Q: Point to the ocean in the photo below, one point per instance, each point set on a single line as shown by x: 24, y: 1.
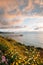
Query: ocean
x: 27, y: 38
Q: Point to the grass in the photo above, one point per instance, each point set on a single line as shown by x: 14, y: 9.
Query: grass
x: 16, y: 53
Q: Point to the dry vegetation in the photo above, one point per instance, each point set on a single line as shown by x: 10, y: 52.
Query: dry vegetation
x: 15, y: 53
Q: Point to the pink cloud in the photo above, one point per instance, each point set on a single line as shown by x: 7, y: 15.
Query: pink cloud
x: 11, y: 5
x: 37, y: 1
x: 29, y: 6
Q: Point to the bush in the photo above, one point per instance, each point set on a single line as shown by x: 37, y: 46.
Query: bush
x: 3, y: 47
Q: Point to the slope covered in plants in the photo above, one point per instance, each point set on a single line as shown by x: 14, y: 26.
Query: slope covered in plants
x: 15, y: 53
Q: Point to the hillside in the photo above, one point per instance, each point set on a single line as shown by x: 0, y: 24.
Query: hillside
x: 15, y: 53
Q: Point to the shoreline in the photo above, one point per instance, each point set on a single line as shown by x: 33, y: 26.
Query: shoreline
x: 11, y: 50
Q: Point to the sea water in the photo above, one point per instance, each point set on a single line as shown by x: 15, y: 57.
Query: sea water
x: 28, y: 38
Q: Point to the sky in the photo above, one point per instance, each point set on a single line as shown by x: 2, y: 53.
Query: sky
x: 21, y: 15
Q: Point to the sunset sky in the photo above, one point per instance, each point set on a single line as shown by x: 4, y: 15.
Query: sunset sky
x: 21, y: 15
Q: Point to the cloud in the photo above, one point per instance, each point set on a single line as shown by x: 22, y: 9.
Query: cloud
x: 22, y: 4
x: 40, y: 2
x: 14, y: 12
x: 37, y: 1
x: 35, y: 8
x: 2, y: 11
x: 38, y: 28
x: 22, y: 7
x: 29, y: 5
x: 10, y: 22
x: 13, y: 27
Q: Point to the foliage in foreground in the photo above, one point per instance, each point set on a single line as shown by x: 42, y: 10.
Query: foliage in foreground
x: 15, y: 53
